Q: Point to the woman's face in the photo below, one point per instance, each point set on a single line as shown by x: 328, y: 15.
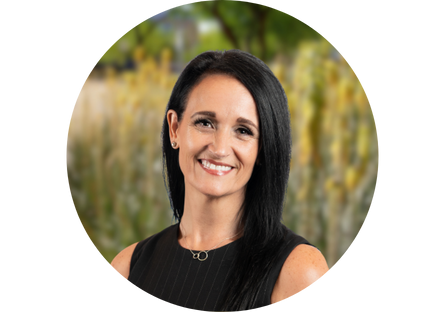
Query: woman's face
x: 218, y: 137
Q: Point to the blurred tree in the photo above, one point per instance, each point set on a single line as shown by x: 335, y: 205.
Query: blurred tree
x: 152, y: 35
x: 142, y: 31
x: 256, y: 29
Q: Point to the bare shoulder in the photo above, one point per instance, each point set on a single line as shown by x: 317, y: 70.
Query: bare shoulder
x: 122, y: 261
x: 304, y: 265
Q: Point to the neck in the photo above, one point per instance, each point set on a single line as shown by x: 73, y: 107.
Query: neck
x: 206, y: 220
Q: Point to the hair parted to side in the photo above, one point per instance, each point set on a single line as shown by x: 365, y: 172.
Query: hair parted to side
x: 265, y: 193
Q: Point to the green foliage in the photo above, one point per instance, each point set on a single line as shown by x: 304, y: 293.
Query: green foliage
x: 210, y: 41
x: 147, y: 34
x: 257, y: 29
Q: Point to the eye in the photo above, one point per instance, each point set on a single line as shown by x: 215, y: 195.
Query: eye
x: 203, y: 123
x: 244, y: 131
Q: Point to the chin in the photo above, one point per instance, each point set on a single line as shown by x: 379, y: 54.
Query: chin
x: 212, y: 192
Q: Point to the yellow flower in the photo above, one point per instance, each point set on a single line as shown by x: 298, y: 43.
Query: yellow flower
x: 139, y: 54
x: 363, y: 141
x: 308, y: 110
x: 303, y: 193
x: 329, y: 184
x: 166, y: 56
x: 331, y: 72
x: 345, y: 95
x: 305, y: 149
x: 128, y: 119
x: 278, y: 70
x: 335, y: 147
x: 352, y: 177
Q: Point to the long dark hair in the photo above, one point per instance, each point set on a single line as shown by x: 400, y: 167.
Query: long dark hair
x: 265, y: 192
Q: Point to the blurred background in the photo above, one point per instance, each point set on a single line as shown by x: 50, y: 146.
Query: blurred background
x: 114, y: 153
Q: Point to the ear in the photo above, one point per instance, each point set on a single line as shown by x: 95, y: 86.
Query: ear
x: 173, y: 126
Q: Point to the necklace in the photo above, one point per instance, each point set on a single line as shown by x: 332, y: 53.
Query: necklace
x: 206, y: 252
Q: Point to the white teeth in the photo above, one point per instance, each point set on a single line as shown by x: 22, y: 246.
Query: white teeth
x: 209, y: 165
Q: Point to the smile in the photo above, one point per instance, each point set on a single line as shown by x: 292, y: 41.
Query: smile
x: 215, y: 169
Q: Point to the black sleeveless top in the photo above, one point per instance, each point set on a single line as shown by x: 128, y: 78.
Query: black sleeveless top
x: 163, y: 268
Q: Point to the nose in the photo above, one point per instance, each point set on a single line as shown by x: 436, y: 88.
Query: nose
x: 220, y: 147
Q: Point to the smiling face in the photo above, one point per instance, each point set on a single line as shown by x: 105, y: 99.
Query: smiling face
x: 218, y: 137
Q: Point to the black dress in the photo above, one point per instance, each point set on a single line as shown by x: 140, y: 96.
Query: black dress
x: 163, y: 268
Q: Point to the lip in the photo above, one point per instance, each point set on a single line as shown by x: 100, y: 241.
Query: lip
x: 213, y: 171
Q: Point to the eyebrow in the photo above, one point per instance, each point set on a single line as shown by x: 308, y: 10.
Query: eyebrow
x: 213, y: 115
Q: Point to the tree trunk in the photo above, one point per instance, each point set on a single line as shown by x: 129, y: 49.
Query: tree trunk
x: 226, y: 29
x: 261, y: 14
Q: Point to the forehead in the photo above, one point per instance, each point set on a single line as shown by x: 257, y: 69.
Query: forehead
x: 224, y: 95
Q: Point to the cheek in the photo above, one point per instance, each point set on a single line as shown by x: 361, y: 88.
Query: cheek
x: 191, y: 144
x: 194, y: 140
x: 248, y: 154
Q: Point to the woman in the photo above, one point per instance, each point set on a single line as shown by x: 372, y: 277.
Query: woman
x: 226, y: 145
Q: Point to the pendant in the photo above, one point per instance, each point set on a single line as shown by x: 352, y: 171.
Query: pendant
x: 197, y: 255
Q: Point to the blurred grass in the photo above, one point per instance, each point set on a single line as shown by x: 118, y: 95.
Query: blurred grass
x: 114, y: 151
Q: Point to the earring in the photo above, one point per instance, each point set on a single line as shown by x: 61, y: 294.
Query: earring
x: 174, y: 144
